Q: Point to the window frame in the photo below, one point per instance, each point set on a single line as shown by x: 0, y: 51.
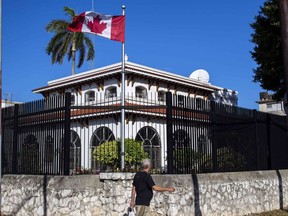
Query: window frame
x: 143, y: 95
x: 110, y: 95
x: 162, y: 98
x: 90, y: 98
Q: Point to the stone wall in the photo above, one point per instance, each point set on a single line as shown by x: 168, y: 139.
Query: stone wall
x: 109, y: 194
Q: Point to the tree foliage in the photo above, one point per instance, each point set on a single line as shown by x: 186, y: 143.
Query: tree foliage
x: 267, y: 51
x: 67, y: 43
x: 108, y: 153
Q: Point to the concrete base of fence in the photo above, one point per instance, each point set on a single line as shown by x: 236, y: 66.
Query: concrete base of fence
x: 109, y: 194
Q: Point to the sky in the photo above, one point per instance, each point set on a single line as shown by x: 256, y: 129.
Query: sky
x: 176, y: 36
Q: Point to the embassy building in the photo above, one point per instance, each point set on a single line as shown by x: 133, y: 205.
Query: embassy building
x: 144, y: 86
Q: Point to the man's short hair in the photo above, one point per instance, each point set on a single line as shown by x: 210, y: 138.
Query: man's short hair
x: 145, y: 163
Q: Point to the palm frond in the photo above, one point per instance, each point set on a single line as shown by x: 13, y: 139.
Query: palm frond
x: 56, y: 39
x: 58, y: 47
x: 90, y: 46
x: 81, y: 55
x: 69, y: 54
x: 67, y: 40
x: 57, y: 26
x: 70, y: 12
x: 79, y: 38
x: 55, y: 53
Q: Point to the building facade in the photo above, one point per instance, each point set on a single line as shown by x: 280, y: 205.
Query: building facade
x: 144, y: 86
x: 8, y: 103
x: 267, y: 104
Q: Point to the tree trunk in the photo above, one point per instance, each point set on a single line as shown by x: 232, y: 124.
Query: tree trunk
x: 73, y: 54
x: 283, y: 5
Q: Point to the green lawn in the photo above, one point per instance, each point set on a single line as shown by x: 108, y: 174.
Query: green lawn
x: 272, y: 213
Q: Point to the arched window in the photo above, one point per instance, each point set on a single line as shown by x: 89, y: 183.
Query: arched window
x: 162, y: 96
x: 89, y: 96
x: 151, y: 143
x: 141, y: 92
x: 111, y: 92
x: 49, y: 149
x: 181, y: 138
x: 99, y: 136
x: 30, y: 161
x: 75, y: 150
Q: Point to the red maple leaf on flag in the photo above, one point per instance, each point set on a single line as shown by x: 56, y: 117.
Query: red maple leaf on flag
x: 96, y: 25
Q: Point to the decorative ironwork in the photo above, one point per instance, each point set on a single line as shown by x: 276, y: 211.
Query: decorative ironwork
x: 100, y: 135
x: 151, y: 144
x: 30, y: 155
x: 75, y: 151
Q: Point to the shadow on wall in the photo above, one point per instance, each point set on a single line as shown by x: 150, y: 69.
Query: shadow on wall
x: 197, y: 210
x: 280, y: 183
x: 45, y: 195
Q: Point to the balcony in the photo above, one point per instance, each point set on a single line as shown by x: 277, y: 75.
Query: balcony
x: 113, y: 99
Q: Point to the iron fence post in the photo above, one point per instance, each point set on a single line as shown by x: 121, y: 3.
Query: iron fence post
x: 66, y: 147
x: 255, y: 116
x: 169, y: 125
x: 268, y: 132
x: 15, y: 140
x: 214, y: 143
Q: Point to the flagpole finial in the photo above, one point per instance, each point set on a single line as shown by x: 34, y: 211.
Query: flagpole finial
x: 123, y: 9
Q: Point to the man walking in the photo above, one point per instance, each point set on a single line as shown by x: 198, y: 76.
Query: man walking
x: 143, y: 186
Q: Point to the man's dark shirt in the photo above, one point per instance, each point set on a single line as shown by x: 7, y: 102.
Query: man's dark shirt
x: 143, y: 183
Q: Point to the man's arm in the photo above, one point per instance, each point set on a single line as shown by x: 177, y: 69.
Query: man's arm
x: 133, y: 191
x: 162, y: 189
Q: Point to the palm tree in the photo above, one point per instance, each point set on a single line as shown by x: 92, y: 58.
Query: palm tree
x: 68, y: 43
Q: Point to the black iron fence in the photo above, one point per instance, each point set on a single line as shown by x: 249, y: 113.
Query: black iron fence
x: 35, y: 137
x: 76, y: 134
x: 204, y: 136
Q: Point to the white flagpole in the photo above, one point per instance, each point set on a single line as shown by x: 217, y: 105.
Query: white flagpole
x: 123, y: 103
x: 92, y: 5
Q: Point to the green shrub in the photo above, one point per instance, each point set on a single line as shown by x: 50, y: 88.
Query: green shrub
x: 227, y: 160
x: 108, y: 153
x: 134, y: 152
x: 185, y: 158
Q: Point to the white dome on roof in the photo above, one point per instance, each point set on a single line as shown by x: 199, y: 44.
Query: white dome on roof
x: 200, y: 75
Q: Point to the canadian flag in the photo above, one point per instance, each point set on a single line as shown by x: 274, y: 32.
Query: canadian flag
x: 108, y: 26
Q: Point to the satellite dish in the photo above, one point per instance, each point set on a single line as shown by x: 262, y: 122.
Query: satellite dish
x: 200, y: 75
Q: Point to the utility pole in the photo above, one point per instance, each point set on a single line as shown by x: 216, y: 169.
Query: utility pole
x: 283, y: 6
